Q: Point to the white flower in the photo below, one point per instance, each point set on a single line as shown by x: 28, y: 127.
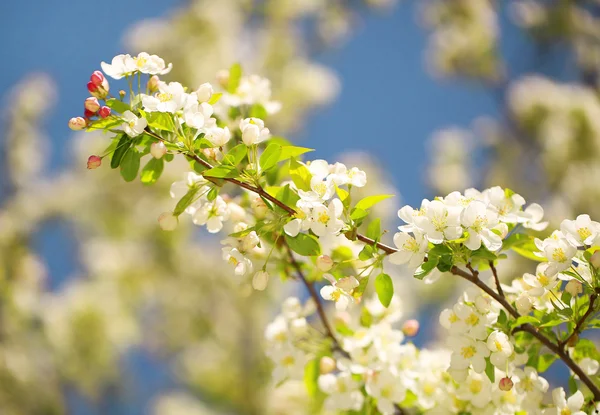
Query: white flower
x: 121, y: 65
x: 242, y: 264
x: 198, y: 115
x: 320, y: 190
x: 289, y: 364
x: 151, y: 64
x: 253, y: 131
x: 133, y: 125
x: 411, y: 249
x: 218, y: 137
x: 571, y: 406
x: 476, y: 389
x: 339, y: 291
x: 212, y: 214
x: 326, y: 220
x: 541, y: 282
x: 170, y: 98
x: 581, y: 231
x: 507, y: 203
x: 589, y: 366
x: 534, y: 214
x: 467, y: 352
x: 344, y: 392
x: 439, y: 223
x: 524, y: 304
x: 558, y: 251
x: 501, y: 348
x: 387, y: 388
x: 260, y: 280
x: 479, y: 219
x: 357, y: 177
x: 204, y: 92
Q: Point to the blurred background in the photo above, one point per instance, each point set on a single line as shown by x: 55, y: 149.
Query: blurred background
x: 101, y: 312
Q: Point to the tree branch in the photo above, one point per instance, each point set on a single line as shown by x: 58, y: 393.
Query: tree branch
x: 580, y: 322
x: 498, y: 285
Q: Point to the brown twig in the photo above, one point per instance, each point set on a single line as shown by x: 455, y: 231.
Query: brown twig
x: 498, y: 285
x: 580, y: 322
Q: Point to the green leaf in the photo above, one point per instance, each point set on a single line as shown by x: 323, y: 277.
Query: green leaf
x: 366, y: 253
x: 304, y: 244
x: 122, y: 146
x: 311, y: 376
x: 358, y: 214
x: 374, y: 229
x: 371, y: 201
x: 288, y: 152
x: 528, y: 252
x: 300, y: 175
x: 384, y: 287
x: 426, y: 268
x: 185, y: 201
x: 152, y: 171
x: 287, y: 196
x: 258, y: 111
x: 343, y: 195
x: 553, y: 323
x: 105, y: 123
x: 545, y: 361
x: 490, y: 370
x: 524, y: 320
x: 270, y: 157
x: 222, y: 172
x: 212, y: 194
x: 130, y: 164
x: 236, y: 155
x: 484, y: 253
x: 235, y: 76
x: 214, y: 98
x: 160, y: 121
x: 118, y: 105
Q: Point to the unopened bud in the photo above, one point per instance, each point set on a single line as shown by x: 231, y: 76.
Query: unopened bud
x: 98, y: 91
x: 524, y: 304
x: 595, y: 259
x: 573, y: 341
x: 104, y: 112
x: 88, y: 114
x: 505, y: 384
x: 168, y: 221
x: 260, y: 280
x: 122, y: 93
x: 223, y: 77
x: 94, y: 162
x: 92, y: 104
x: 326, y: 365
x: 77, y: 123
x: 259, y: 207
x: 97, y: 78
x: 410, y: 328
x: 158, y: 149
x: 324, y: 263
x: 204, y: 92
x: 153, y: 83
x: 574, y: 288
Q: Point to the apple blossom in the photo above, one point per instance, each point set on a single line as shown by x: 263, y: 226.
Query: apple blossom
x: 133, y: 125
x: 158, y: 149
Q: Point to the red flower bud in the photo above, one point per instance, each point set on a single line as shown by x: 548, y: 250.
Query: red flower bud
x: 97, y: 78
x: 92, y: 104
x: 88, y: 114
x: 94, y: 162
x: 104, y: 112
x: 92, y: 87
x: 98, y: 91
x: 410, y: 328
x: 77, y: 123
x: 505, y: 384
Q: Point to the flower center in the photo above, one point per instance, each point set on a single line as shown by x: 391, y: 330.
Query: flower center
x: 140, y: 62
x: 559, y: 255
x: 411, y: 245
x: 288, y: 361
x: 468, y: 352
x: 323, y: 218
x: 472, y: 320
x: 543, y: 279
x: 584, y: 233
x: 475, y: 386
x: 164, y: 97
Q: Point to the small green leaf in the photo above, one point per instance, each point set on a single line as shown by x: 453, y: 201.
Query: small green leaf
x: 222, y: 172
x: 384, y: 287
x: 236, y: 155
x: 270, y: 157
x: 235, y: 76
x: 152, y: 171
x: 122, y: 146
x: 343, y: 195
x: 105, y: 123
x: 371, y: 201
x: 426, y: 268
x: 118, y: 105
x: 287, y: 196
x: 212, y: 194
x: 288, y: 152
x: 130, y: 164
x: 300, y: 175
x: 358, y: 214
x: 490, y: 370
x: 258, y: 111
x: 304, y: 244
x: 545, y: 361
x: 366, y: 253
x: 484, y: 253
x: 185, y: 201
x: 553, y: 323
x: 160, y: 121
x: 214, y: 98
x: 524, y: 320
x: 374, y: 229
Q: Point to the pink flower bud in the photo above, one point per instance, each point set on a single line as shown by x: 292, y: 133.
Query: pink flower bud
x: 574, y: 288
x: 505, y: 384
x: 595, y: 259
x: 168, y: 221
x: 326, y: 365
x: 77, y: 123
x: 91, y: 104
x: 98, y: 91
x: 410, y: 328
x: 259, y: 207
x: 153, y: 83
x: 104, y: 112
x: 88, y: 114
x: 94, y: 162
x: 260, y: 280
x: 158, y: 149
x: 97, y: 78
x: 324, y: 263
x: 92, y: 87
